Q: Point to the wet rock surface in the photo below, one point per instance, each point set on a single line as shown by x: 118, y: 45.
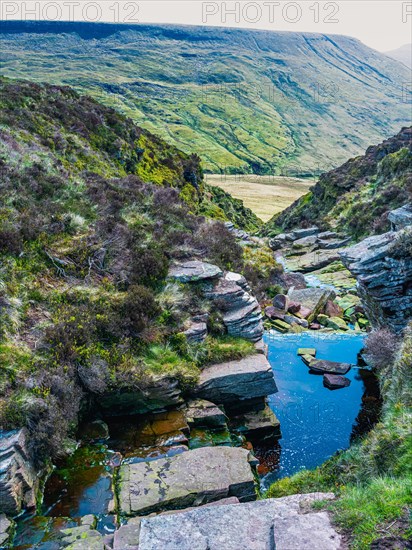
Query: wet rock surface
x: 333, y: 381
x: 191, y: 478
x: 324, y: 366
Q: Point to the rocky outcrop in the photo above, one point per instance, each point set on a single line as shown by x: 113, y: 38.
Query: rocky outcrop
x: 384, y: 276
x: 262, y: 525
x: 193, y: 271
x: 234, y: 381
x: 18, y: 479
x: 242, y: 315
x: 164, y: 392
x: 5, y: 528
x: 191, y: 478
x: 229, y: 292
x: 401, y: 217
x: 313, y: 300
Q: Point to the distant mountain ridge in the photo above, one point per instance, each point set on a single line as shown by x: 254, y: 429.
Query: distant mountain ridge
x: 402, y: 54
x: 245, y: 101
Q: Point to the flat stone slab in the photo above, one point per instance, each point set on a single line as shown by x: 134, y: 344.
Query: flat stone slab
x: 313, y: 260
x: 334, y: 381
x: 324, y: 366
x: 314, y: 299
x: 243, y: 379
x: 261, y: 525
x: 187, y: 272
x: 307, y: 351
x: 312, y: 531
x: 189, y: 479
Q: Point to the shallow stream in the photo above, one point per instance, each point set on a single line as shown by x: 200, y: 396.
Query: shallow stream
x: 315, y: 423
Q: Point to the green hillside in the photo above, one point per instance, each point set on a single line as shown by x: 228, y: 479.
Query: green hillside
x: 356, y: 197
x: 93, y: 210
x: 245, y: 101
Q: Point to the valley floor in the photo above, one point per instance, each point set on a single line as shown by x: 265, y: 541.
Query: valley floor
x: 264, y: 195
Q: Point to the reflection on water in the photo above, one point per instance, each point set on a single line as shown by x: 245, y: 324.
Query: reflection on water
x: 315, y: 421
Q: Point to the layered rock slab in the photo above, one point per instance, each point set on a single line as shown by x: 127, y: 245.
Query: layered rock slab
x: 189, y: 479
x: 228, y: 382
x: 18, y: 479
x: 382, y: 266
x: 262, y: 525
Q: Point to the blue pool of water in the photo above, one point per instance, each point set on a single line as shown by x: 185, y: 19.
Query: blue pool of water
x: 316, y: 422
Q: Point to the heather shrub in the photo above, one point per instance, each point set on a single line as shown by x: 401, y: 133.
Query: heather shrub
x: 149, y: 264
x: 381, y: 347
x: 219, y: 245
x: 139, y: 308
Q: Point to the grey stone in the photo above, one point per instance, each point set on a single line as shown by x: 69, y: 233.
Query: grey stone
x: 401, y: 217
x: 327, y: 235
x: 314, y: 299
x: 189, y: 479
x: 301, y: 233
x: 304, y: 242
x: 202, y: 413
x: 162, y: 393
x: 312, y: 531
x: 127, y: 536
x: 245, y: 526
x: 5, y: 525
x: 324, y: 366
x: 196, y: 332
x: 242, y: 315
x: 330, y: 244
x: 281, y: 301
x: 384, y: 277
x: 333, y: 381
x: 194, y: 270
x: 312, y: 261
x: 258, y: 425
x: 82, y: 538
x: 235, y: 380
x: 18, y: 478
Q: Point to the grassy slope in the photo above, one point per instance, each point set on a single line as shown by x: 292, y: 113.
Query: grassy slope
x: 245, y: 101
x: 373, y: 479
x: 92, y: 211
x: 357, y: 196
x: 264, y: 195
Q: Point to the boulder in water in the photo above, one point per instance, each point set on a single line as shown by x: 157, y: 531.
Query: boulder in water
x: 333, y: 381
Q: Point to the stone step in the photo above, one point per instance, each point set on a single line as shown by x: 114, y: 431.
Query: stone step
x: 234, y: 380
x: 285, y: 524
x: 189, y: 479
